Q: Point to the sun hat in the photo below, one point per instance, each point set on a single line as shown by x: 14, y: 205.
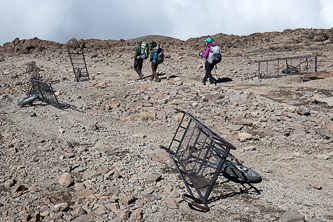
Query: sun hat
x: 208, y: 40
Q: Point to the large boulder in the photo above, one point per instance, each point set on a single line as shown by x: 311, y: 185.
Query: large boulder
x: 73, y: 43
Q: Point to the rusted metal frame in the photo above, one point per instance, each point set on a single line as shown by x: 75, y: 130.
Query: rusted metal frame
x: 85, y: 65
x: 185, y: 162
x: 220, y: 141
x: 73, y: 63
x: 284, y: 58
x: 290, y: 71
x: 45, y: 88
x: 70, y: 58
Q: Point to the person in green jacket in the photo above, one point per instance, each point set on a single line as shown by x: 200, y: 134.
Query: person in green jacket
x: 138, y: 61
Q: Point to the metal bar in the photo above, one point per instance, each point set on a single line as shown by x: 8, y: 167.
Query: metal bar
x: 315, y: 63
x: 292, y: 57
x: 209, y: 190
x: 196, y: 140
x: 85, y: 65
x: 199, y: 154
x: 188, y: 125
x: 174, y: 136
x: 181, y: 175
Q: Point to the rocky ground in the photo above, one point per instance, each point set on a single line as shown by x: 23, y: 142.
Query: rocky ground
x: 99, y: 159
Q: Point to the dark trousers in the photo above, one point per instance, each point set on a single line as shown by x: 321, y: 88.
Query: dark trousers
x: 154, y: 68
x: 209, y: 67
x: 138, y: 65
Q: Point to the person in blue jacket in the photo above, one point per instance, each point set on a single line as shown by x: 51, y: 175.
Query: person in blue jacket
x: 208, y: 67
x: 154, y: 61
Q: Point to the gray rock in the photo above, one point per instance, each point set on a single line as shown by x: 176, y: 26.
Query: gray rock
x: 60, y: 207
x: 66, y: 180
x: 302, y: 110
x: 244, y: 136
x: 315, y: 220
x: 292, y: 216
x: 9, y: 183
x: 153, y: 177
x: 79, y: 211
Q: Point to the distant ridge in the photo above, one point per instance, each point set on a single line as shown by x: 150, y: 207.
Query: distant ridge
x: 155, y: 38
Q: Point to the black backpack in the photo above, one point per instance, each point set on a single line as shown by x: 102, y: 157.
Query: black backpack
x: 144, y: 50
x: 160, y: 55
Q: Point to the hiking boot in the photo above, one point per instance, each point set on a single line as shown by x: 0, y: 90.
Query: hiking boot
x: 157, y: 80
x: 141, y: 75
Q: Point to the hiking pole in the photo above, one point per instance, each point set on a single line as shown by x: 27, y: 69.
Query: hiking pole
x: 203, y: 65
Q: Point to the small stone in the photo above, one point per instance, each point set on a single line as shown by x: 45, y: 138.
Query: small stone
x: 101, y: 85
x: 249, y: 148
x: 171, y: 203
x: 114, y: 207
x: 60, y: 207
x: 139, y: 135
x: 66, y: 180
x: 126, y: 199
x: 323, y: 157
x: 79, y: 211
x: 153, y: 177
x: 10, y: 183
x: 292, y: 216
x: 137, y: 215
x: 316, y: 186
x: 244, y: 136
x: 67, y: 145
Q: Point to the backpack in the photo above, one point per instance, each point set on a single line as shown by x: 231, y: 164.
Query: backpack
x: 144, y: 50
x: 152, y: 54
x: 160, y: 55
x: 214, y: 55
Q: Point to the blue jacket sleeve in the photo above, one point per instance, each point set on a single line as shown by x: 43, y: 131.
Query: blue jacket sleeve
x: 155, y: 56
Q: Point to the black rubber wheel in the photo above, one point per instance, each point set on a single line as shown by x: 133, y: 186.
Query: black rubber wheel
x: 239, y: 174
x: 28, y: 100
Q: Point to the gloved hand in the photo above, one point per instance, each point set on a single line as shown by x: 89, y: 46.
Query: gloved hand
x: 200, y: 53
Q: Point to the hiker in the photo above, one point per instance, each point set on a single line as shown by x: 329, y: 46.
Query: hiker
x: 155, y: 60
x: 208, y: 66
x: 141, y: 53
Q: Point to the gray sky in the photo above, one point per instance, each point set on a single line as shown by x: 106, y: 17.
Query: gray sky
x: 61, y: 20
